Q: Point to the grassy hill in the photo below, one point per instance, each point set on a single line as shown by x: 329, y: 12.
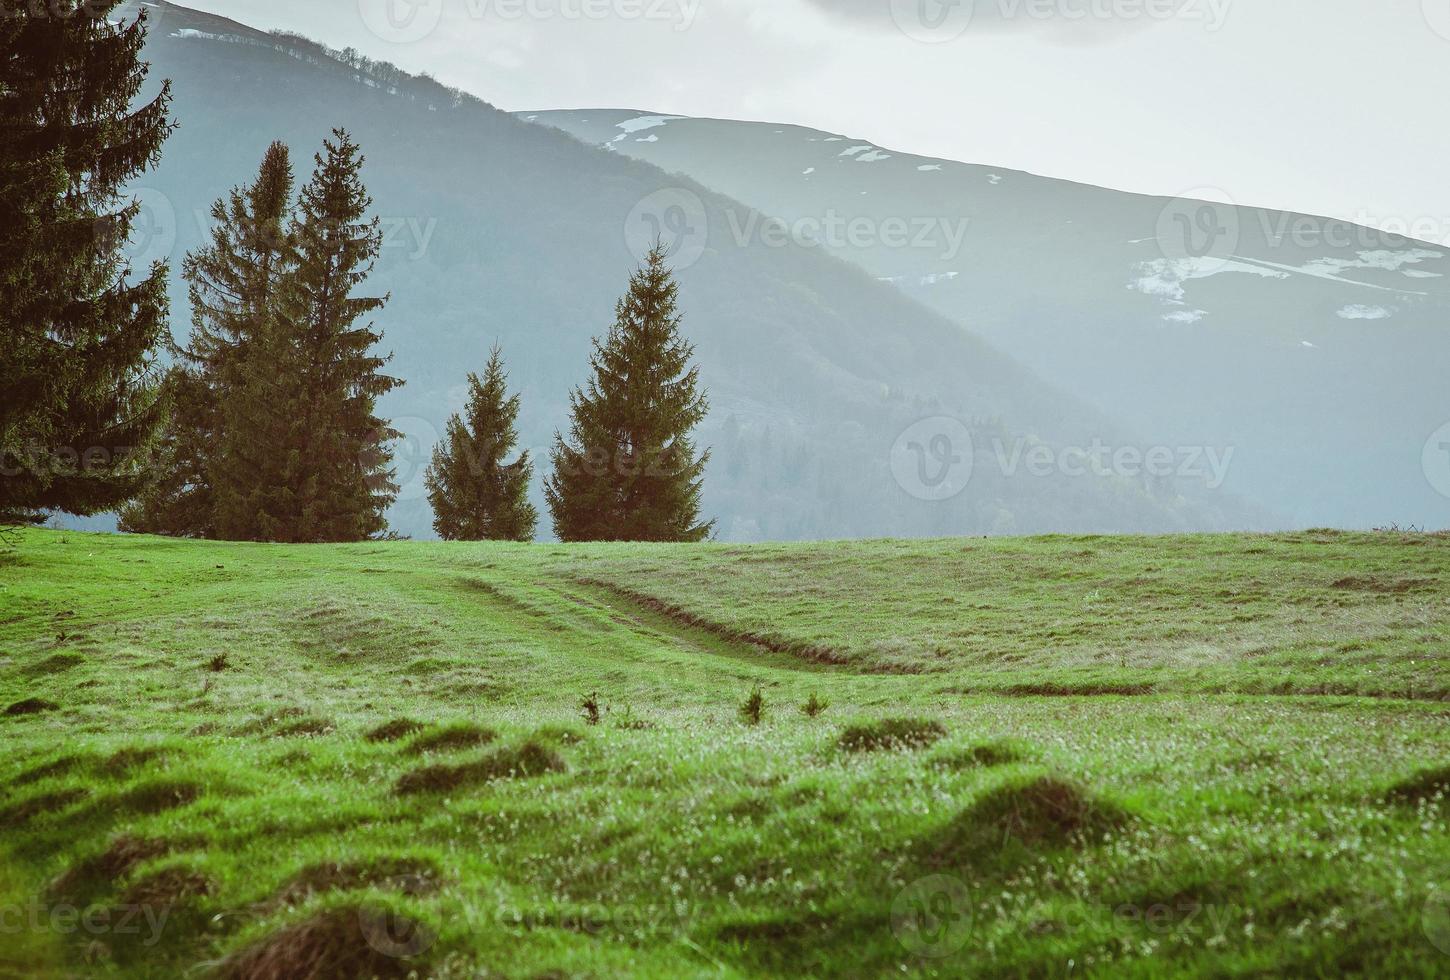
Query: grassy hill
x: 1126, y: 756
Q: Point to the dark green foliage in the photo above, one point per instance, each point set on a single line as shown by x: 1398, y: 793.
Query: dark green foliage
x: 589, y: 707
x: 752, y: 709
x: 814, y: 707
x: 275, y: 436
x: 629, y: 471
x: 78, y: 326
x: 234, y: 283
x: 476, y: 496
x: 891, y: 734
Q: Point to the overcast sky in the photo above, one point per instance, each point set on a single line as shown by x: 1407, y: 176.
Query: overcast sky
x: 1332, y: 107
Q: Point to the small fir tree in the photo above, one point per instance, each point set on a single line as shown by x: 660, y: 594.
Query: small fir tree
x: 629, y: 471
x: 476, y: 495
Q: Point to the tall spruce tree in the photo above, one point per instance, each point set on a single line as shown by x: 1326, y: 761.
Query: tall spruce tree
x: 335, y: 449
x: 211, y: 463
x: 629, y: 471
x: 78, y: 403
x: 476, y: 496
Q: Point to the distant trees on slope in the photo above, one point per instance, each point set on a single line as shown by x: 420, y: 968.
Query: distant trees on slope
x: 79, y: 404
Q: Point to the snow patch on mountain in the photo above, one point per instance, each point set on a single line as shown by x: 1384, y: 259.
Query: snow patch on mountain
x: 929, y: 166
x: 1185, y: 316
x: 1164, y: 278
x: 1358, y: 312
x: 639, y: 124
x: 873, y: 156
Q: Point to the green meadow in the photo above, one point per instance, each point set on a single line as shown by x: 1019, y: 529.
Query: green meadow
x: 1143, y: 757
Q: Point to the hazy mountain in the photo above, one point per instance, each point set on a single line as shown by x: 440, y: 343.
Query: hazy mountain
x: 1316, y: 349
x: 498, y: 229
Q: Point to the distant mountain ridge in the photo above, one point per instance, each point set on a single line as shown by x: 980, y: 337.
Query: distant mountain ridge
x: 1316, y: 349
x: 497, y: 229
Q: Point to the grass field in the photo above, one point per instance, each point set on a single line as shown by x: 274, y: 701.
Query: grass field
x: 1040, y: 757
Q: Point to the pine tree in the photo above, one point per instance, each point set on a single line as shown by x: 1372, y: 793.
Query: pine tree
x: 212, y: 464
x: 629, y: 471
x: 335, y: 449
x: 78, y: 403
x: 476, y: 496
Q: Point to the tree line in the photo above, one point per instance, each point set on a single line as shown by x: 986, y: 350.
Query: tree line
x: 264, y: 425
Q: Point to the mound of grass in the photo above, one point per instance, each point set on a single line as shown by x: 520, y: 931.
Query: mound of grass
x: 20, y: 814
x: 167, y: 888
x: 63, y: 766
x: 1022, y: 816
x: 92, y: 875
x: 395, y: 730
x: 1427, y: 784
x: 54, y: 664
x: 124, y: 760
x: 158, y: 796
x: 344, y: 942
x: 891, y: 734
x: 411, y: 876
x: 306, y: 727
x: 452, y: 738
x: 984, y: 755
x: 559, y: 735
x: 522, y: 762
x: 30, y: 706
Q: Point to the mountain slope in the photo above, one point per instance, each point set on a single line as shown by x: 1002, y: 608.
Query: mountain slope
x: 498, y: 229
x: 1315, y: 349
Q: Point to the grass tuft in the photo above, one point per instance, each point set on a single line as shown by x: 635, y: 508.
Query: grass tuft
x: 395, y: 730
x: 92, y: 875
x: 20, y: 814
x: 350, y: 941
x: 452, y: 738
x: 891, y: 734
x: 525, y: 761
x: 1427, y: 784
x: 814, y: 707
x: 985, y: 755
x: 411, y: 876
x: 752, y: 709
x: 158, y: 796
x: 1022, y: 816
x: 30, y: 706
